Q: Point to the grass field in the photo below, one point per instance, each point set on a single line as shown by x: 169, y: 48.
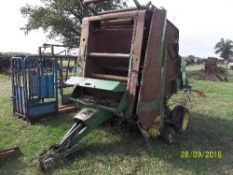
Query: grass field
x: 117, y: 151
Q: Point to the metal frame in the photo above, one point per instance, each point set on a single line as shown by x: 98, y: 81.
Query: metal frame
x: 33, y: 83
x: 29, y: 74
x: 47, y: 51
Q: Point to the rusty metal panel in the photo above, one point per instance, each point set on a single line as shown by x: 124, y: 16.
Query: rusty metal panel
x: 114, y: 47
x: 150, y: 97
x: 111, y: 36
x: 135, y: 60
x: 111, y: 48
x: 173, y: 64
x: 83, y: 45
x: 110, y: 41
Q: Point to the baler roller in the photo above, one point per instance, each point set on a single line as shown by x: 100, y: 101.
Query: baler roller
x: 109, y: 77
x: 111, y: 55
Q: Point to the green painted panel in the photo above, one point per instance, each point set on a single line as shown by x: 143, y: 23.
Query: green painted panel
x: 115, y: 86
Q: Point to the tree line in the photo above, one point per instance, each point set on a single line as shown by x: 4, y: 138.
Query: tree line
x: 5, y: 59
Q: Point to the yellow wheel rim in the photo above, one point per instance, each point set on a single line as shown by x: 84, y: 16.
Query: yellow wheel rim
x: 185, y: 121
x: 170, y: 138
x: 154, y: 132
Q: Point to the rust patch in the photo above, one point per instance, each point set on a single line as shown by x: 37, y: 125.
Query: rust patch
x: 151, y: 75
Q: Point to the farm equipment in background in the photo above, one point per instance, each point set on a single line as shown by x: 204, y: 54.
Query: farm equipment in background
x: 38, y: 83
x: 211, y: 64
x: 128, y: 67
x: 211, y: 71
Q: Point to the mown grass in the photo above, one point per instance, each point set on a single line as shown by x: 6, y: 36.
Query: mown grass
x: 112, y: 149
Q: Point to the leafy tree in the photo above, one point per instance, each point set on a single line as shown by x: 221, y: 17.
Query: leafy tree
x: 224, y: 48
x: 61, y: 19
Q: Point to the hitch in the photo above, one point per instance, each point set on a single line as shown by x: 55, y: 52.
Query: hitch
x: 58, y: 151
x: 85, y: 121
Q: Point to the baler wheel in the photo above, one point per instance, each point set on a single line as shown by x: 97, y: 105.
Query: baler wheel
x: 169, y: 134
x: 180, y: 118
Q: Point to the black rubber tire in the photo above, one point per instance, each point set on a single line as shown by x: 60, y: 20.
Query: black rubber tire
x: 177, y: 116
x: 169, y: 134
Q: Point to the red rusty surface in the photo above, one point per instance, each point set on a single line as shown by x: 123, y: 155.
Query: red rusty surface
x: 110, y: 41
x: 136, y: 54
x: 173, y: 61
x: 151, y: 74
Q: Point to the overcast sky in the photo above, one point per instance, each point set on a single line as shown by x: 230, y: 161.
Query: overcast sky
x: 201, y: 23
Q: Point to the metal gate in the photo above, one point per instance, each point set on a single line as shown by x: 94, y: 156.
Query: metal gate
x: 34, y: 87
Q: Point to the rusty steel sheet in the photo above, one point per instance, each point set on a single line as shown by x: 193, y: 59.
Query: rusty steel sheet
x: 163, y: 62
x: 116, y: 22
x: 102, y: 35
x: 136, y: 55
x: 173, y: 62
x: 150, y: 96
x: 83, y: 46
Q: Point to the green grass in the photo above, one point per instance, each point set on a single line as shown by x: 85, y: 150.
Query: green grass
x: 194, y: 67
x: 115, y: 150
